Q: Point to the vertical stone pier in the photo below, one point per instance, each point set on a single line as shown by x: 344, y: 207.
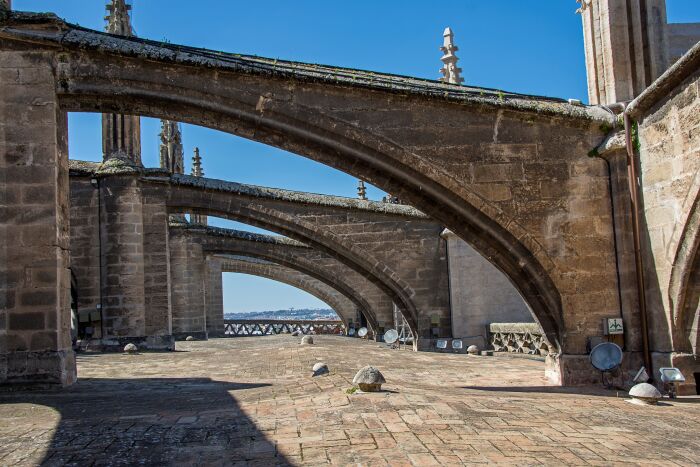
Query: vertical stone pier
x: 35, y: 343
x: 123, y: 277
x: 214, y: 297
x: 188, y: 297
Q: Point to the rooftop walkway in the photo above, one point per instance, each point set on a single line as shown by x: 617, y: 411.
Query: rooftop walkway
x: 252, y: 401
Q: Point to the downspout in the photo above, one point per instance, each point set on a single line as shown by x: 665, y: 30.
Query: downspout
x: 639, y: 263
x: 96, y: 185
x: 614, y: 228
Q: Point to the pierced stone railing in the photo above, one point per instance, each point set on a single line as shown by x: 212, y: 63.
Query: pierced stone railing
x: 269, y: 327
x: 525, y: 338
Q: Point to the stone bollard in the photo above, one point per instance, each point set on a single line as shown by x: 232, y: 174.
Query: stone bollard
x: 189, y: 338
x: 130, y: 348
x: 307, y: 340
x: 473, y: 350
x: 320, y: 369
x: 644, y: 394
x: 369, y: 379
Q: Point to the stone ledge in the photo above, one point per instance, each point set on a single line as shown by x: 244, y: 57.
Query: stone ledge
x: 38, y: 369
x: 237, y: 234
x: 72, y: 36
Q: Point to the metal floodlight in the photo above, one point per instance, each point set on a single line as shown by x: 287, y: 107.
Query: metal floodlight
x: 457, y: 344
x: 441, y: 344
x: 391, y: 336
x: 606, y: 358
x: 641, y: 377
x: 671, y: 377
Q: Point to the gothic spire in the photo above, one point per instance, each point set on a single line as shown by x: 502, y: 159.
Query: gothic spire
x: 172, y: 157
x: 450, y: 71
x: 197, y: 171
x: 121, y: 134
x: 118, y: 20
x: 361, y: 190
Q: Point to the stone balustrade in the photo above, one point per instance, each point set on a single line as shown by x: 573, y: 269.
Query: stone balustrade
x: 525, y: 338
x: 269, y: 327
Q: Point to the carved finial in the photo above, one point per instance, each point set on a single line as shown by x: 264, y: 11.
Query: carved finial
x: 361, y: 190
x: 118, y: 20
x: 197, y: 170
x: 172, y: 156
x: 450, y: 71
x: 584, y: 5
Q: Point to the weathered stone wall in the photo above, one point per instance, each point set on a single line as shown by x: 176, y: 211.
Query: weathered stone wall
x: 133, y: 266
x: 669, y: 153
x: 480, y: 294
x: 35, y: 341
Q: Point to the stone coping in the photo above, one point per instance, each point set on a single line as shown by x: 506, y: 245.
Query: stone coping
x: 58, y: 31
x: 116, y: 166
x: 236, y: 234
x: 532, y: 328
x: 664, y: 84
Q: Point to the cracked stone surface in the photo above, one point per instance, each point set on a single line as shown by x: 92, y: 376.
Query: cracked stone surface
x: 252, y: 401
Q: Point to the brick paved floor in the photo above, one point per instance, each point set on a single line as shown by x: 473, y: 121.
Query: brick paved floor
x: 252, y: 401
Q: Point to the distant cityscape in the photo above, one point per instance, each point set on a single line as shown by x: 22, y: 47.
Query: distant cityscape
x: 325, y: 314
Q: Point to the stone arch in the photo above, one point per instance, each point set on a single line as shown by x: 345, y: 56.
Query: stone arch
x: 684, y: 283
x: 342, y: 305
x: 283, y: 253
x: 205, y: 202
x: 396, y: 132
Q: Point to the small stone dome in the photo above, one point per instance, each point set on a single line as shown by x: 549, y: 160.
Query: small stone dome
x: 369, y: 379
x: 307, y: 340
x: 320, y: 369
x: 472, y: 350
x: 189, y: 338
x: 645, y: 393
x: 130, y: 348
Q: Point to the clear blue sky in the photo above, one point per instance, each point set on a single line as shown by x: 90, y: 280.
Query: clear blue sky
x: 533, y: 47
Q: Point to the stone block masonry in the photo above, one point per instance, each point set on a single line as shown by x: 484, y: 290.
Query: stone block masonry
x: 35, y: 344
x: 119, y: 256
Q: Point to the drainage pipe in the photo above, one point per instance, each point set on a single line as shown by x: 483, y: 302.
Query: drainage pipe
x: 639, y: 263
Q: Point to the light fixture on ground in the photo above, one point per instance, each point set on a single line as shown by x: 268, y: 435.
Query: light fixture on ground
x: 606, y: 358
x: 671, y: 377
x: 362, y: 332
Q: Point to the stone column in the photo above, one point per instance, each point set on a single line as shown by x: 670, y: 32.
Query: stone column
x: 35, y: 345
x: 187, y: 272
x: 625, y: 45
x: 123, y: 276
x: 157, y: 273
x: 214, y: 297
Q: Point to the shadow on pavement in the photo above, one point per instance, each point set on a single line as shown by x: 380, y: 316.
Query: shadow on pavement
x: 573, y: 390
x: 152, y: 421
